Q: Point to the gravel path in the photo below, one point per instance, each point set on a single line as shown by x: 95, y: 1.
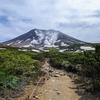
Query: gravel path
x: 58, y: 88
x: 57, y: 85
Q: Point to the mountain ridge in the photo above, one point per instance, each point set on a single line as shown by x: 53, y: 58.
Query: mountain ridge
x: 42, y: 38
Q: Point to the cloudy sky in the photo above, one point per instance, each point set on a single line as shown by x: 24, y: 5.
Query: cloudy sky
x: 77, y: 18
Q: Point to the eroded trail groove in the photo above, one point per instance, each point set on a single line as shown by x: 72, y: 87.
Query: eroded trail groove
x: 57, y: 86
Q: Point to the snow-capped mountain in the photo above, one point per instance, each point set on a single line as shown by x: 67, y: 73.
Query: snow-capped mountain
x: 42, y: 38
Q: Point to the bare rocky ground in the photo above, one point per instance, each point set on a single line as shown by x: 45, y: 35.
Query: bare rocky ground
x: 54, y: 85
x: 58, y: 88
x: 57, y: 85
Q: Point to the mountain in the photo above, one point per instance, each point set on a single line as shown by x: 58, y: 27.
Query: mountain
x: 42, y: 38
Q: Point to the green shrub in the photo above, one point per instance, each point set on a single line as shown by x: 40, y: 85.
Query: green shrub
x: 15, y: 65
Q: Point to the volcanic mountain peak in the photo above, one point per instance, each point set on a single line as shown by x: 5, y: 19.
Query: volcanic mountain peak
x: 42, y: 38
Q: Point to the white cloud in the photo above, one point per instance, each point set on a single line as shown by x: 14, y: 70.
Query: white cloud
x: 78, y: 18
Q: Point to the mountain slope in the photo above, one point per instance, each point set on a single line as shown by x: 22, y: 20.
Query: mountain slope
x: 42, y: 38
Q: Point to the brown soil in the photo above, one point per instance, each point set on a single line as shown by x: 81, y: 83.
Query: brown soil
x: 56, y: 88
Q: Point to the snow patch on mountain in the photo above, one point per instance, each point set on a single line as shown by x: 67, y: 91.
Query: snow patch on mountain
x: 63, y: 44
x: 35, y: 50
x: 34, y: 41
x: 49, y: 38
x: 62, y: 50
x: 87, y: 48
x: 18, y: 41
x: 58, y: 40
x: 53, y: 37
x: 26, y: 45
x: 46, y: 42
x: 28, y: 39
x: 10, y: 43
x: 40, y: 36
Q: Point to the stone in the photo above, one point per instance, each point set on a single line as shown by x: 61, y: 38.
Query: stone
x: 56, y: 72
x: 50, y: 71
x: 53, y: 80
x: 55, y: 89
x: 56, y: 75
x: 58, y: 92
x: 62, y: 74
x: 51, y: 99
x: 52, y: 75
x: 46, y: 90
x: 36, y: 97
x: 40, y: 92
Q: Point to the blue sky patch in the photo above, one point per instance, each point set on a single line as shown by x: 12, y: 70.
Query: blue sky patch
x: 4, y: 20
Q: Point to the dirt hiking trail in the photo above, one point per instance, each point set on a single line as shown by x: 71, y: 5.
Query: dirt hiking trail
x: 57, y: 86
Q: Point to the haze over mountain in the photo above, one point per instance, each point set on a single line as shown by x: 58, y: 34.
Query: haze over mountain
x: 42, y: 38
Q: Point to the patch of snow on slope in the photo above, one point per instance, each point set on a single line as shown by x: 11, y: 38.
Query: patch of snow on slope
x: 35, y: 31
x: 28, y: 39
x: 18, y: 41
x: 46, y: 50
x: 39, y: 40
x: 63, y: 44
x: 87, y: 48
x: 50, y: 39
x: 58, y: 40
x: 40, y: 37
x: 46, y: 42
x: 34, y: 41
x: 10, y: 43
x: 53, y: 38
x: 41, y: 48
x: 22, y: 49
x: 35, y: 50
x: 26, y: 46
x: 79, y: 50
x: 62, y: 50
x: 2, y: 48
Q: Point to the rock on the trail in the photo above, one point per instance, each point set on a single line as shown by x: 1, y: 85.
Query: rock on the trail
x: 58, y: 92
x: 51, y: 99
x: 62, y: 74
x: 50, y: 71
x: 56, y: 72
x: 56, y: 75
x: 51, y: 74
x: 55, y: 89
x: 46, y: 90
x: 35, y: 98
x: 53, y: 80
x: 41, y: 93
